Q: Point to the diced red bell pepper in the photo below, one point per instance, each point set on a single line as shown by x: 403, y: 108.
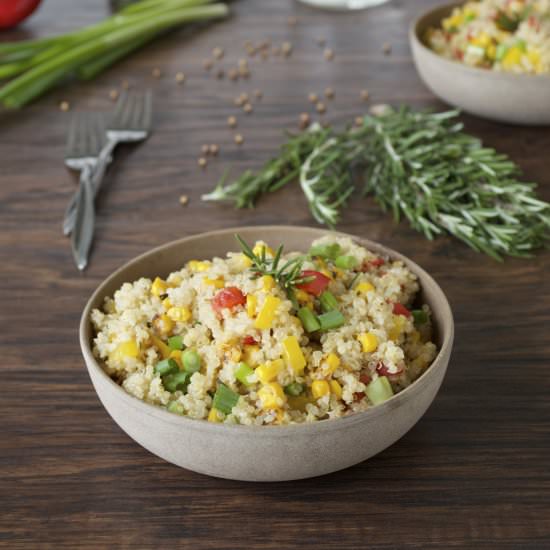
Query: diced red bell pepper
x: 318, y: 282
x: 358, y: 395
x: 383, y: 370
x: 249, y: 341
x: 369, y: 264
x: 400, y: 309
x: 228, y: 297
x: 365, y: 378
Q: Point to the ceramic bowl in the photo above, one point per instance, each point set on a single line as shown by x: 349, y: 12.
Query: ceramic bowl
x: 263, y: 453
x: 505, y: 97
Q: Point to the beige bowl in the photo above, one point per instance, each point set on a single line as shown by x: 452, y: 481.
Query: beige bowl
x: 263, y: 453
x: 514, y: 98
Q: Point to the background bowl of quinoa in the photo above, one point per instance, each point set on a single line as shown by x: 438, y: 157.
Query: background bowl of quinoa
x: 496, y: 95
x: 264, y: 453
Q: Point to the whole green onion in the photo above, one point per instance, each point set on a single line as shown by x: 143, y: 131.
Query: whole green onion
x: 38, y: 65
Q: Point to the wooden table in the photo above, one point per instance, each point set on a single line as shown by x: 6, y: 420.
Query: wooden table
x: 473, y: 473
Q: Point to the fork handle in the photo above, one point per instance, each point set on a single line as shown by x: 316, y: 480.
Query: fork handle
x: 83, y: 232
x: 105, y: 157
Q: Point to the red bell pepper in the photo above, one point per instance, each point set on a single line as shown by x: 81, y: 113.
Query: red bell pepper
x: 13, y: 12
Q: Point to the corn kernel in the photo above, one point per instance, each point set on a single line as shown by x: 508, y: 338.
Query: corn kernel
x: 214, y: 415
x: 398, y: 323
x: 269, y: 371
x: 165, y: 351
x: 272, y: 396
x: 166, y: 303
x: 293, y: 354
x: 482, y: 40
x: 327, y: 273
x: 259, y: 246
x: 251, y: 303
x: 319, y: 388
x: 268, y: 282
x: 302, y: 296
x: 364, y: 288
x: 218, y: 283
x: 369, y: 341
x: 512, y: 57
x: 163, y: 323
x: 158, y: 287
x: 195, y: 265
x: 248, y: 355
x: 267, y: 313
x: 333, y: 362
x: 336, y: 389
x: 236, y: 355
x: 126, y: 349
x: 247, y: 262
x: 181, y: 314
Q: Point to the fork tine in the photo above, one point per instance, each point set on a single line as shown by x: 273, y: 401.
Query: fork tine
x: 145, y: 119
x: 120, y: 110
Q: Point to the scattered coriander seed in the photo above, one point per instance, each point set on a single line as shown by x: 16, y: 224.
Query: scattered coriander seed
x: 184, y: 199
x: 386, y: 48
x: 258, y: 94
x: 244, y: 98
x: 365, y: 95
x: 233, y: 74
x: 238, y: 139
x: 202, y: 162
x: 232, y: 121
x: 156, y: 72
x: 220, y: 73
x: 313, y: 98
x: 329, y: 93
x: 214, y: 149
x: 359, y: 121
x: 218, y: 53
x: 379, y: 109
x: 292, y: 20
x: 286, y: 48
x: 247, y: 108
x: 329, y: 54
x: 113, y: 94
x: 321, y: 108
x: 207, y: 64
x: 64, y: 106
x: 304, y: 120
x: 180, y: 78
x: 205, y: 149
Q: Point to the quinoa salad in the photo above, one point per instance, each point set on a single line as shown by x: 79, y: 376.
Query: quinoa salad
x: 265, y: 337
x: 504, y: 35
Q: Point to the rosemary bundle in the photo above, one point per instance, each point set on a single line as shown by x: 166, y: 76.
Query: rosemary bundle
x: 418, y: 165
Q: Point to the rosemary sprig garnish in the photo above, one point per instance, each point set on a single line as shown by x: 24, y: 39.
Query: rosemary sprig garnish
x: 418, y: 165
x: 287, y: 275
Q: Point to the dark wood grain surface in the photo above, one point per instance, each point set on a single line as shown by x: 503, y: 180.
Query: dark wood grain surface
x: 475, y: 472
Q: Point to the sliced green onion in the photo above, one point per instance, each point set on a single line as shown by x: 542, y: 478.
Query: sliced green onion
x: 175, y: 407
x: 329, y: 251
x: 191, y: 361
x: 331, y: 320
x: 328, y: 301
x: 379, y: 390
x: 420, y: 316
x: 501, y: 51
x: 225, y: 399
x: 294, y: 389
x: 242, y: 373
x: 346, y: 262
x: 176, y: 342
x: 166, y: 366
x: 177, y: 381
x: 309, y: 320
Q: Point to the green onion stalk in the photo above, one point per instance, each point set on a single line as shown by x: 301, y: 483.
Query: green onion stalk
x: 38, y: 65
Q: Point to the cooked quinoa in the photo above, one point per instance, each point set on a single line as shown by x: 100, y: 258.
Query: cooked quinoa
x: 504, y: 35
x: 217, y: 340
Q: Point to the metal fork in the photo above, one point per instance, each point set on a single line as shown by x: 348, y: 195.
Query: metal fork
x: 85, y: 140
x: 131, y: 122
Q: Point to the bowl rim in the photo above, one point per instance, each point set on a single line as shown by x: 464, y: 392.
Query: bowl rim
x: 266, y: 431
x: 415, y: 40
